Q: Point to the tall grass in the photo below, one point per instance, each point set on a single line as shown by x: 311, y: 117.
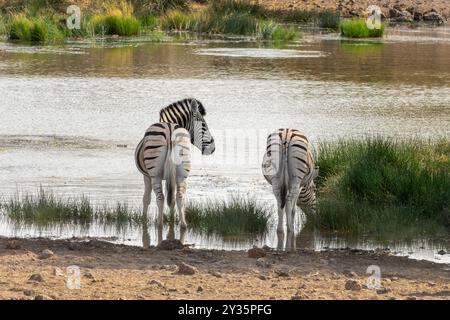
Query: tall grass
x: 240, y: 216
x: 33, y: 29
x: 117, y: 20
x: 357, y: 28
x: 381, y: 183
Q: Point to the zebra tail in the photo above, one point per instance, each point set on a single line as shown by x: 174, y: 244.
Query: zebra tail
x: 284, y: 176
x: 170, y: 180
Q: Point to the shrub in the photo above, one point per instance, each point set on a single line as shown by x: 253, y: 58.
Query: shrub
x: 357, y: 28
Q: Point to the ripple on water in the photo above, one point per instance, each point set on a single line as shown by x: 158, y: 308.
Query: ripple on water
x: 259, y: 53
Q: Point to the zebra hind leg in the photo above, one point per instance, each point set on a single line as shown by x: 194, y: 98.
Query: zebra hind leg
x: 291, y: 200
x: 181, y: 192
x: 147, y: 195
x: 280, y: 201
x: 157, y: 188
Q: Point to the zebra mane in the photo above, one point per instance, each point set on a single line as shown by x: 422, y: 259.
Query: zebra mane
x: 189, y: 102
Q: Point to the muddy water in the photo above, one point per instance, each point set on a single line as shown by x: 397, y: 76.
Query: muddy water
x: 71, y: 115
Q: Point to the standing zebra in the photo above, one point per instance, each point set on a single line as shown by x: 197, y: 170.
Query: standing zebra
x: 288, y: 165
x: 164, y: 153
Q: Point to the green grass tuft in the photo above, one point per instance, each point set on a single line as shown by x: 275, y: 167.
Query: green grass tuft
x: 239, y: 216
x: 357, y: 28
x: 383, y: 184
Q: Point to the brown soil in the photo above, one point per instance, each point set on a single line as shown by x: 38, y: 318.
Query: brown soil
x: 350, y: 7
x: 111, y: 271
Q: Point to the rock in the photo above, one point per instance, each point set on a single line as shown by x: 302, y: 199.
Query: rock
x: 394, y: 278
x: 411, y: 298
x: 350, y: 273
x: 431, y: 284
x: 267, y: 248
x: 442, y: 252
x: 352, y: 285
x: 215, y: 274
x: 28, y: 292
x: 73, y: 246
x: 13, y: 245
x: 89, y: 275
x: 282, y: 272
x: 45, y: 254
x: 156, y: 283
x: 170, y: 244
x: 257, y: 253
x: 299, y: 296
x: 400, y: 15
x: 200, y: 289
x: 383, y: 290
x: 42, y: 297
x: 186, y: 269
x: 262, y: 262
x: 36, y: 277
x: 58, y: 272
x: 433, y: 16
x: 263, y: 277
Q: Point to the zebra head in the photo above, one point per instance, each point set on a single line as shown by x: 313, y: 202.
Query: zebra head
x: 200, y: 135
x: 307, y: 198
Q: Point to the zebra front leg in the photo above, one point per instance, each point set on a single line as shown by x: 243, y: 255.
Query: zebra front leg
x: 157, y: 188
x: 181, y: 192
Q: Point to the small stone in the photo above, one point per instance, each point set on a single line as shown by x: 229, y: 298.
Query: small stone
x: 352, y: 285
x: 442, y: 252
x: 383, y: 290
x: 200, y: 289
x: 282, y: 273
x: 28, y: 292
x: 257, y: 253
x: 299, y: 296
x: 185, y: 291
x: 42, y: 297
x: 186, y: 269
x: 36, y: 277
x: 267, y: 248
x: 262, y: 262
x: 350, y: 273
x: 431, y: 284
x: 170, y: 244
x: 263, y: 277
x: 411, y: 298
x: 58, y: 272
x: 89, y: 275
x: 394, y: 278
x: 157, y: 283
x: 45, y: 254
x: 13, y: 245
x: 172, y: 289
x: 216, y: 274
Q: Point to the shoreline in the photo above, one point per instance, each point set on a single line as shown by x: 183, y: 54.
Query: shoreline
x: 111, y: 271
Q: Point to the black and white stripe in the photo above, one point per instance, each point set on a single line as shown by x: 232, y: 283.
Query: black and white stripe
x: 288, y: 165
x: 164, y: 153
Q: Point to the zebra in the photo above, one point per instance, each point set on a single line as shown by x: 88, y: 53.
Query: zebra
x: 288, y: 165
x: 164, y: 154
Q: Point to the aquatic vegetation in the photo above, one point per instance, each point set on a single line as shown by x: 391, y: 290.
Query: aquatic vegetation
x: 381, y: 183
x: 239, y: 216
x: 357, y: 28
x: 20, y: 28
x: 273, y: 31
x: 177, y: 20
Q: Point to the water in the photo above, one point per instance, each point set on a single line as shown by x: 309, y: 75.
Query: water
x: 71, y: 115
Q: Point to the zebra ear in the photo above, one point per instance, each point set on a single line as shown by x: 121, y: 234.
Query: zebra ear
x: 197, y: 107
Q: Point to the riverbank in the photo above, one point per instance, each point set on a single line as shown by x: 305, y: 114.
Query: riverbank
x: 110, y: 271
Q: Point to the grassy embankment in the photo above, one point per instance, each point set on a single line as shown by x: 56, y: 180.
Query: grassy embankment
x: 44, y: 21
x: 382, y: 186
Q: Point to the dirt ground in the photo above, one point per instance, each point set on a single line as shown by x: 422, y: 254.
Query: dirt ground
x: 359, y: 6
x: 109, y: 271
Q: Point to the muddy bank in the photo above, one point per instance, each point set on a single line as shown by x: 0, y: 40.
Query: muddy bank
x: 29, y: 271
